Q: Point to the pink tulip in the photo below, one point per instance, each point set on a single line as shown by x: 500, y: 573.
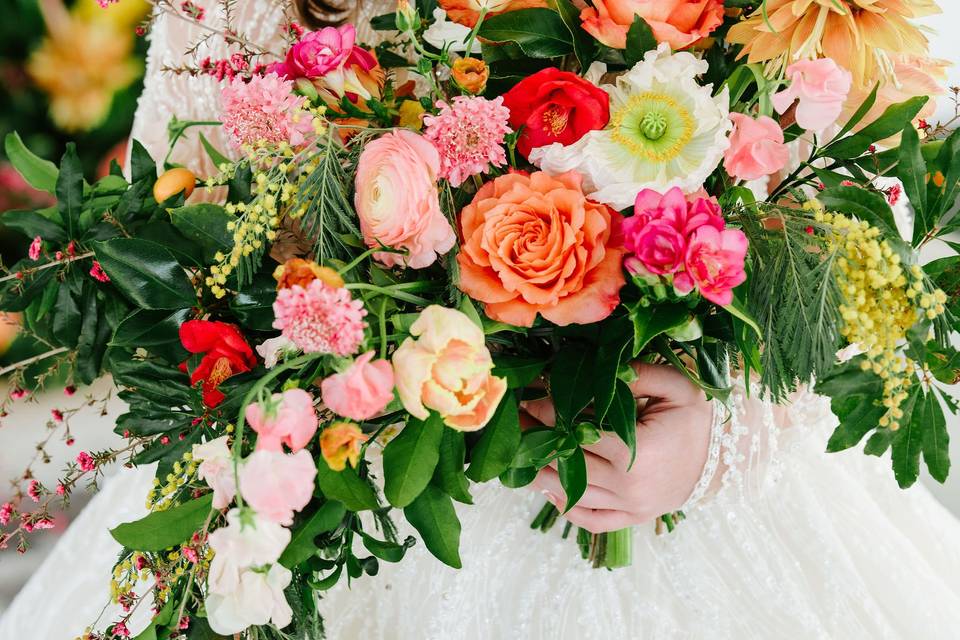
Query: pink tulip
x: 286, y: 419
x: 821, y: 86
x: 756, y: 148
x: 360, y: 392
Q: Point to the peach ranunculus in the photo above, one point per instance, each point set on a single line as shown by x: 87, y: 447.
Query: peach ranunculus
x: 340, y: 443
x: 756, y: 149
x: 535, y: 244
x: 446, y: 367
x: 679, y: 23
x: 397, y: 200
x: 467, y: 12
x: 360, y: 392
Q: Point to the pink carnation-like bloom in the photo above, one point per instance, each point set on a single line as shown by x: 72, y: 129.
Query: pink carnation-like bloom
x: 264, y: 110
x: 320, y: 319
x: 360, y: 392
x: 286, y: 419
x: 86, y: 462
x: 469, y: 136
x: 277, y: 484
x: 821, y: 86
x: 714, y: 264
x: 35, y: 247
x: 756, y: 148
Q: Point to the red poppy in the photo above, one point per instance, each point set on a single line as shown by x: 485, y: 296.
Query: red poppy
x: 555, y: 106
x: 225, y: 353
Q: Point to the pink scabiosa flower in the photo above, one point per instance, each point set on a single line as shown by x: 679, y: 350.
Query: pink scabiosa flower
x: 320, y: 319
x: 469, y: 136
x: 86, y: 461
x: 264, y: 111
x: 35, y: 247
x: 97, y: 273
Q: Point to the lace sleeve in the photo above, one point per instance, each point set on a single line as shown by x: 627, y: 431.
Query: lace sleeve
x: 749, y: 436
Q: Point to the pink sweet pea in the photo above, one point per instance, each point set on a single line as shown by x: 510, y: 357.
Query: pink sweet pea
x: 216, y: 469
x: 286, y: 419
x: 277, y: 484
x: 821, y: 86
x: 362, y: 391
x: 756, y: 148
x: 714, y: 264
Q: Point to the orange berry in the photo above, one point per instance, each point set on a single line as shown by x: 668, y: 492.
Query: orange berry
x: 173, y: 182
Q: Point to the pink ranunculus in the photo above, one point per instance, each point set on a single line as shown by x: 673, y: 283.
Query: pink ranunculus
x: 397, y: 200
x: 360, y: 392
x: 286, y: 419
x: 277, y: 484
x: 821, y: 86
x: 756, y: 148
x: 659, y: 247
x: 714, y: 264
x: 321, y: 52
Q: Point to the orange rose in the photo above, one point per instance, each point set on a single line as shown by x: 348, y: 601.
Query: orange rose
x: 471, y: 75
x: 466, y: 12
x: 680, y: 23
x: 535, y: 244
x: 340, y: 443
x: 303, y: 272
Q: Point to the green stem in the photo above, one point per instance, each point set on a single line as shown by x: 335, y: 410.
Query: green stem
x: 475, y: 31
x: 617, y: 549
x: 392, y: 291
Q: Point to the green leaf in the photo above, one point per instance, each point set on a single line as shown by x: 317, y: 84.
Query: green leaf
x: 912, y: 171
x: 929, y: 419
x: 944, y: 363
x: 410, y: 458
x: 494, y: 451
x: 738, y: 309
x: 39, y: 173
x: 346, y: 487
x: 217, y: 157
x: 571, y: 381
x: 892, y: 122
x: 17, y: 295
x: 66, y: 318
x: 146, y: 273
x: 518, y: 478
x: 164, y: 529
x: 518, y: 371
x: 947, y: 162
x: 145, y: 328
x: 142, y: 166
x: 573, y: 477
x: 200, y: 630
x: 69, y: 190
x: 623, y: 417
x: 205, y: 224
x: 536, y: 445
x: 860, y: 113
x: 650, y: 322
x: 448, y: 474
x: 540, y: 33
x: 94, y: 335
x: 33, y: 224
x: 864, y: 205
x: 640, y: 39
x: 584, y: 45
x: 616, y: 336
x: 387, y: 551
x: 907, y: 442
x: 302, y: 546
x: 433, y: 516
x: 254, y: 303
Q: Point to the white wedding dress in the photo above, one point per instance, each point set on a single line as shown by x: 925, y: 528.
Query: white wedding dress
x: 790, y: 542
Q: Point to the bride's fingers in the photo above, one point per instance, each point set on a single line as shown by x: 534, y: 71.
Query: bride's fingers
x: 548, y: 482
x: 600, y: 520
x: 600, y: 472
x: 542, y: 410
x: 611, y: 448
x: 664, y: 382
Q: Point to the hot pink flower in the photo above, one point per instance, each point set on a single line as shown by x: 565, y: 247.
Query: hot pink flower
x: 822, y: 88
x: 683, y: 213
x: 469, y: 136
x: 659, y: 247
x: 362, y: 391
x: 286, y: 419
x: 320, y: 319
x: 714, y: 264
x: 6, y: 512
x: 264, y: 110
x: 97, y: 272
x: 86, y: 461
x: 397, y: 200
x: 35, y: 247
x: 756, y: 148
x: 33, y: 490
x: 320, y: 52
x: 277, y: 484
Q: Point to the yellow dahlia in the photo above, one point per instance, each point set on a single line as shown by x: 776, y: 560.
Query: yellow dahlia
x: 862, y: 35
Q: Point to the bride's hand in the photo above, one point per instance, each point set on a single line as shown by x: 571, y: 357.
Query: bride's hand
x: 673, y: 434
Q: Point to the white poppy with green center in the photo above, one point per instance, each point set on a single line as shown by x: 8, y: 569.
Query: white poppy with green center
x: 665, y: 131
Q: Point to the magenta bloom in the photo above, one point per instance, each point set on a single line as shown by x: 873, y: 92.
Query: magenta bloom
x: 660, y: 247
x: 264, y: 110
x: 362, y: 391
x: 320, y: 319
x: 35, y: 247
x: 286, y: 419
x: 85, y: 461
x: 319, y: 53
x: 469, y: 136
x: 714, y: 264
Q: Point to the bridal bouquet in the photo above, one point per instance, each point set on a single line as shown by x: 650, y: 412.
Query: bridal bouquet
x: 503, y: 201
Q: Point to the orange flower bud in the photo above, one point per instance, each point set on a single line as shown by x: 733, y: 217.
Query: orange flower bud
x: 471, y: 74
x: 340, y: 443
x: 303, y: 272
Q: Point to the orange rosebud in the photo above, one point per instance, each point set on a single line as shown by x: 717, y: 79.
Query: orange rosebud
x: 340, y: 443
x: 173, y: 182
x: 303, y: 272
x: 471, y: 74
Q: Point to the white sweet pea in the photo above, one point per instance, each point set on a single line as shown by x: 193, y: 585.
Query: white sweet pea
x: 216, y: 469
x: 273, y: 349
x: 444, y: 32
x: 257, y: 599
x: 248, y: 541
